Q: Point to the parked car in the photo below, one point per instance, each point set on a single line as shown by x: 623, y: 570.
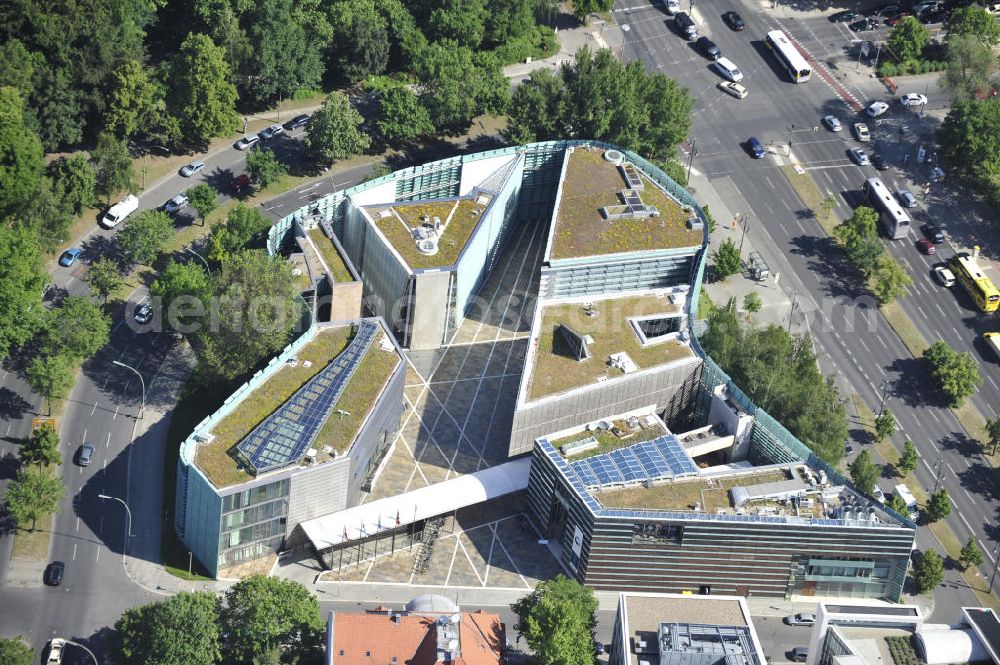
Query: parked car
x: 926, y: 246
x: 297, y: 121
x: 175, y: 204
x: 69, y: 257
x: 880, y: 162
x: 832, y: 123
x: 240, y: 183
x: 864, y: 25
x: 801, y: 619
x: 859, y: 156
x: 875, y: 109
x: 907, y: 198
x: 944, y: 276
x: 933, y: 233
x: 933, y: 16
x: 913, y: 99
x: 734, y: 21
x: 728, y: 69
x: 878, y: 494
x: 708, y: 48
x: 247, y: 142
x: 737, y: 90
x: 756, y: 148
x: 799, y: 654
x: 887, y: 11
x: 85, y: 455
x: 272, y: 131
x: 190, y: 169
x: 861, y: 132
x: 54, y: 573
x: 897, y: 17
x: 55, y: 654
x: 143, y: 313
x: 844, y: 17
x: 119, y: 211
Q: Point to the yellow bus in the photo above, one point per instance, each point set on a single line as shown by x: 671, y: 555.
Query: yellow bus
x: 978, y: 285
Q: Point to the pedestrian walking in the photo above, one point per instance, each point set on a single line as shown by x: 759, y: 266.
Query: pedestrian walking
x: 244, y: 125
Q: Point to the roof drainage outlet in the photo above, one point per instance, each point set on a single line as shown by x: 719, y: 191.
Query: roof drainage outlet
x: 428, y: 246
x: 614, y: 156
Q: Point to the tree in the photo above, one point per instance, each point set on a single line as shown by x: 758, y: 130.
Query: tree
x: 751, y: 302
x: 463, y: 21
x: 333, y: 132
x: 14, y: 651
x: 908, y: 38
x: 137, y: 101
x: 113, y: 167
x: 20, y: 154
x: 928, y: 571
x: 970, y: 554
x: 243, y: 225
x: 34, y: 494
x: 938, y: 506
x: 827, y: 206
x: 896, y: 503
x: 47, y: 215
x: 993, y: 433
x: 956, y: 374
x: 361, y: 41
x: 75, y: 181
x: 557, y: 621
x: 264, y: 168
x: 584, y: 8
x: 257, y: 308
x: 401, y: 117
x: 456, y: 85
x: 261, y: 612
x: 144, y: 234
x: 885, y: 425
x: 971, y: 65
x: 179, y: 630
x: 103, y: 276
x: 201, y: 95
x: 538, y: 108
x: 21, y: 284
x: 726, y: 259
x: 271, y: 656
x: 864, y: 472
x: 861, y: 224
x: 968, y: 141
x: 908, y: 460
x: 77, y: 328
x: 974, y: 21
x: 183, y: 289
x: 202, y: 198
x: 889, y: 280
x: 51, y: 377
x: 42, y: 447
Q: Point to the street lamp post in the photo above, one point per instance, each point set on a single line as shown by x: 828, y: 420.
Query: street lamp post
x: 691, y: 159
x: 791, y: 312
x: 882, y: 386
x: 127, y: 512
x: 937, y: 474
x: 189, y: 564
x: 141, y: 382
x: 191, y: 251
x: 996, y: 559
x: 746, y: 227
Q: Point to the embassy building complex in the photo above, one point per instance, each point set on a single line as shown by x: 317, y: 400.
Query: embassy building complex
x: 640, y: 463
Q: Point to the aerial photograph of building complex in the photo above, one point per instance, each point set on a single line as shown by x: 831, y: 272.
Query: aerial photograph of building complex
x: 499, y: 332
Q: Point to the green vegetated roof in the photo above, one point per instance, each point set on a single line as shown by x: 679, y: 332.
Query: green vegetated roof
x: 215, y: 459
x: 592, y: 183
x: 338, y: 267
x: 459, y: 216
x: 608, y: 441
x: 612, y: 333
x: 684, y: 493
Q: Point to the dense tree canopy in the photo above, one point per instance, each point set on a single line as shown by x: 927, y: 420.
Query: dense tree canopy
x: 77, y: 328
x: 334, y: 130
x: 908, y: 38
x: 778, y: 371
x: 557, y: 621
x: 956, y: 373
x: 21, y: 285
x: 179, y: 630
x: 261, y: 612
x: 20, y: 154
x: 202, y: 96
x: 183, y: 289
x: 456, y: 84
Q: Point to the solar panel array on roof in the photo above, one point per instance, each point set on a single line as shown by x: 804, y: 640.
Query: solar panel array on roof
x: 285, y: 435
x: 660, y: 458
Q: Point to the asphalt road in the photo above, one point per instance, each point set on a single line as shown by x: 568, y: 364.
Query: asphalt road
x: 858, y: 350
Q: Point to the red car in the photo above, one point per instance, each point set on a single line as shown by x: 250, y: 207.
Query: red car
x: 926, y: 246
x: 240, y: 183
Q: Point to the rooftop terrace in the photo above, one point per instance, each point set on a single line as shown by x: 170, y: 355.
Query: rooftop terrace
x: 215, y: 459
x: 607, y: 323
x: 593, y: 183
x: 685, y: 493
x: 334, y: 261
x: 458, y: 218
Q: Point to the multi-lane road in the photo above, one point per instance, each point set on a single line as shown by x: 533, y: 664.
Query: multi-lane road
x: 854, y: 343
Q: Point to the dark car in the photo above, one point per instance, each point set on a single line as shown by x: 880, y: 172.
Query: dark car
x: 864, y: 25
x: 799, y: 654
x: 297, y: 121
x: 708, y: 48
x: 934, y: 16
x: 933, y: 233
x: 756, y: 148
x: 880, y: 162
x: 887, y: 11
x: 734, y: 21
x: 69, y: 257
x: 86, y: 454
x: 143, y: 313
x: 54, y: 573
x: 845, y: 17
x: 240, y: 183
x: 926, y: 246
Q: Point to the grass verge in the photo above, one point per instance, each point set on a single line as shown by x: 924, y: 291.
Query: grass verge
x: 812, y: 197
x: 33, y: 545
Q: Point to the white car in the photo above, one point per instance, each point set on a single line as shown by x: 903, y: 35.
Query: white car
x: 944, y: 276
x: 192, y: 168
x: 913, y: 99
x: 876, y: 109
x: 55, y: 651
x: 271, y: 132
x: 175, y: 204
x: 878, y: 494
x: 737, y: 90
x: 119, y: 211
x: 728, y: 69
x: 861, y: 131
x: 247, y: 142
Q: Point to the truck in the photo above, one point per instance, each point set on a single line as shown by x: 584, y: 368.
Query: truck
x: 119, y: 211
x: 903, y: 492
x: 992, y: 340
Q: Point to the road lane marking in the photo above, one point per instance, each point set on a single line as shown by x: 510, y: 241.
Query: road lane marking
x: 94, y: 409
x: 986, y: 550
x: 995, y: 386
x: 73, y: 558
x: 940, y: 310
x: 107, y: 444
x: 948, y: 464
x: 84, y: 440
x: 77, y: 522
x: 116, y: 414
x: 968, y: 495
x: 962, y: 517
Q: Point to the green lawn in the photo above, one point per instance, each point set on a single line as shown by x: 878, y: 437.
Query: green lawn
x: 606, y: 441
x: 334, y: 261
x: 684, y: 494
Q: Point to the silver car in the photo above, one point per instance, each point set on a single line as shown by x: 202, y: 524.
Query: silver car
x: 247, y: 142
x: 907, y: 198
x: 192, y: 168
x: 832, y: 123
x: 86, y: 454
x: 859, y: 156
x: 175, y: 204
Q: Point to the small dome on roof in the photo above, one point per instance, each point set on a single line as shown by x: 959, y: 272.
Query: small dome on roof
x: 432, y: 603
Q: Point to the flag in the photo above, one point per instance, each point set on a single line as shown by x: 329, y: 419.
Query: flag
x: 397, y: 518
x: 345, y: 534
